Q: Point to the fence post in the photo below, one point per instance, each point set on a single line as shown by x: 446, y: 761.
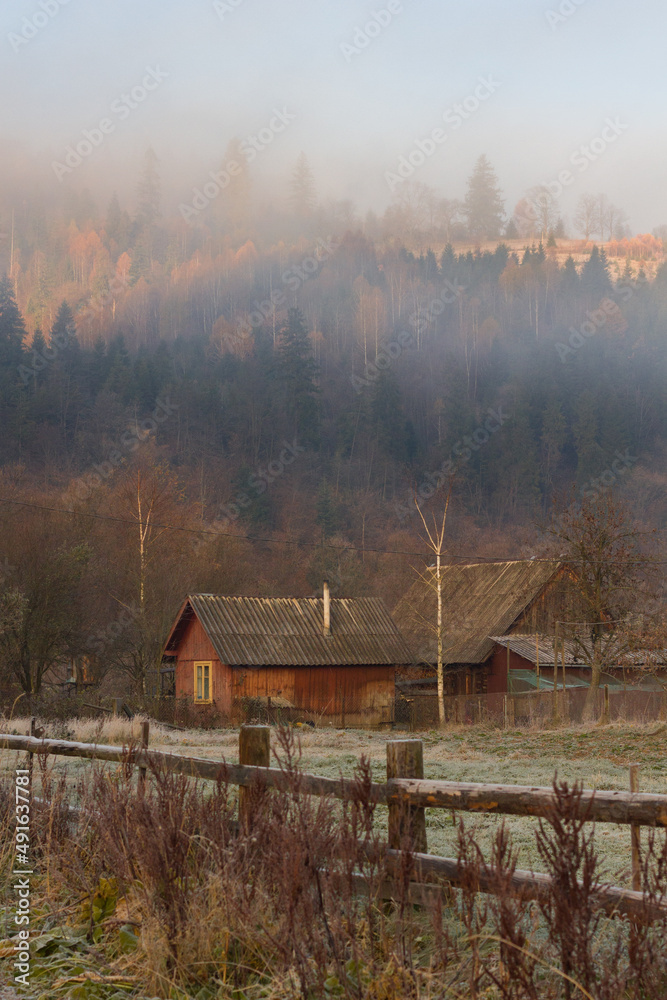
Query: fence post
x: 145, y: 733
x: 405, y: 759
x: 605, y: 712
x: 31, y: 732
x: 254, y: 749
x: 634, y: 834
x: 117, y: 705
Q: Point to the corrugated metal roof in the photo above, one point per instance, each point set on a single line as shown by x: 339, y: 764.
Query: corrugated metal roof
x: 276, y: 631
x: 527, y: 646
x: 479, y: 600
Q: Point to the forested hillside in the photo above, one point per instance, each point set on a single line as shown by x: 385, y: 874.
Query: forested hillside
x: 279, y: 388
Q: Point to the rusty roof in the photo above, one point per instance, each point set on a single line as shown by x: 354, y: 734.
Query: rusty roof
x: 479, y: 600
x: 530, y: 646
x: 279, y: 631
x: 527, y: 646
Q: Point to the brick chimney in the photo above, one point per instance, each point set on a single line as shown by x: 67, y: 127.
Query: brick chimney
x: 326, y: 629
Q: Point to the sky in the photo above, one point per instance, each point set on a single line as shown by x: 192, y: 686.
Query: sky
x: 357, y: 86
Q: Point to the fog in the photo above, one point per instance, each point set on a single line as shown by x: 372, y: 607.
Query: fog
x: 363, y: 82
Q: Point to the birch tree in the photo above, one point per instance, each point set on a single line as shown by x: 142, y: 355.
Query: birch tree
x: 435, y: 539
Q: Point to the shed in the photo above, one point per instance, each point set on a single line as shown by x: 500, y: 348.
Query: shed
x: 531, y: 658
x: 322, y: 657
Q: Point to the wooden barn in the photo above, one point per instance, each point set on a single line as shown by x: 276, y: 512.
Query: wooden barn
x: 481, y: 600
x: 331, y: 659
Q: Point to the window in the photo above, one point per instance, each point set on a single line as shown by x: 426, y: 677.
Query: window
x: 203, y: 682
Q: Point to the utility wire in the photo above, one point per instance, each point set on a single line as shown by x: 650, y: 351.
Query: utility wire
x: 286, y: 541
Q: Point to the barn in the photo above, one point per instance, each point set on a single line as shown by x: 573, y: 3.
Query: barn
x: 481, y: 600
x: 331, y: 659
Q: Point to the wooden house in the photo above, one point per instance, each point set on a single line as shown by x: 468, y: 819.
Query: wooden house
x: 322, y: 658
x: 481, y: 600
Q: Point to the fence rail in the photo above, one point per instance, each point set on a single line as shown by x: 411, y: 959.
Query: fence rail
x: 407, y: 794
x: 642, y: 808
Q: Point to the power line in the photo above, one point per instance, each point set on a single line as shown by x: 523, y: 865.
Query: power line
x: 306, y: 545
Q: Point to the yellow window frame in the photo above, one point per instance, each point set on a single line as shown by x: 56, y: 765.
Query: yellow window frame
x: 203, y: 682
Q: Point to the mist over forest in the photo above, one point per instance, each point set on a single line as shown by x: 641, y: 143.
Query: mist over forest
x: 274, y: 308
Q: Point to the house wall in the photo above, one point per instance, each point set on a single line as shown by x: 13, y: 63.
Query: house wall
x: 341, y: 691
x: 196, y: 647
x: 498, y: 671
x: 497, y: 664
x: 459, y: 678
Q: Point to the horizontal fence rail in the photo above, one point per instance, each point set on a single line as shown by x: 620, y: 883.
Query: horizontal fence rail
x: 406, y: 794
x: 641, y: 808
x: 428, y: 869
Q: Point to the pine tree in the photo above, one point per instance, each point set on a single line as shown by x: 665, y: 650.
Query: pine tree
x: 570, y: 277
x: 326, y: 510
x: 63, y: 331
x: 141, y: 263
x: 483, y: 207
x: 297, y: 371
x: 149, y: 192
x: 595, y: 280
x: 302, y: 189
x: 12, y: 327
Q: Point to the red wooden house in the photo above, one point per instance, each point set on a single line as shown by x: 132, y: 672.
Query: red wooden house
x: 321, y: 657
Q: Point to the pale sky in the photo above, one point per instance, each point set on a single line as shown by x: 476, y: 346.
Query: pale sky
x: 225, y: 67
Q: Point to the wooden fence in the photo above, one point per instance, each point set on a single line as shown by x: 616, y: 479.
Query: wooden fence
x: 406, y: 794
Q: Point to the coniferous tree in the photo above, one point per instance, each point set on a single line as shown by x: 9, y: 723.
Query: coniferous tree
x: 570, y: 277
x: 302, y: 188
x: 595, y: 280
x: 483, y: 207
x: 297, y: 371
x: 149, y: 192
x: 12, y: 327
x: 326, y: 510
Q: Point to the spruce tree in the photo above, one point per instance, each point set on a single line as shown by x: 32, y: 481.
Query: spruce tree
x: 297, y: 371
x: 302, y: 194
x: 595, y: 280
x: 483, y: 207
x: 12, y: 327
x: 326, y: 510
